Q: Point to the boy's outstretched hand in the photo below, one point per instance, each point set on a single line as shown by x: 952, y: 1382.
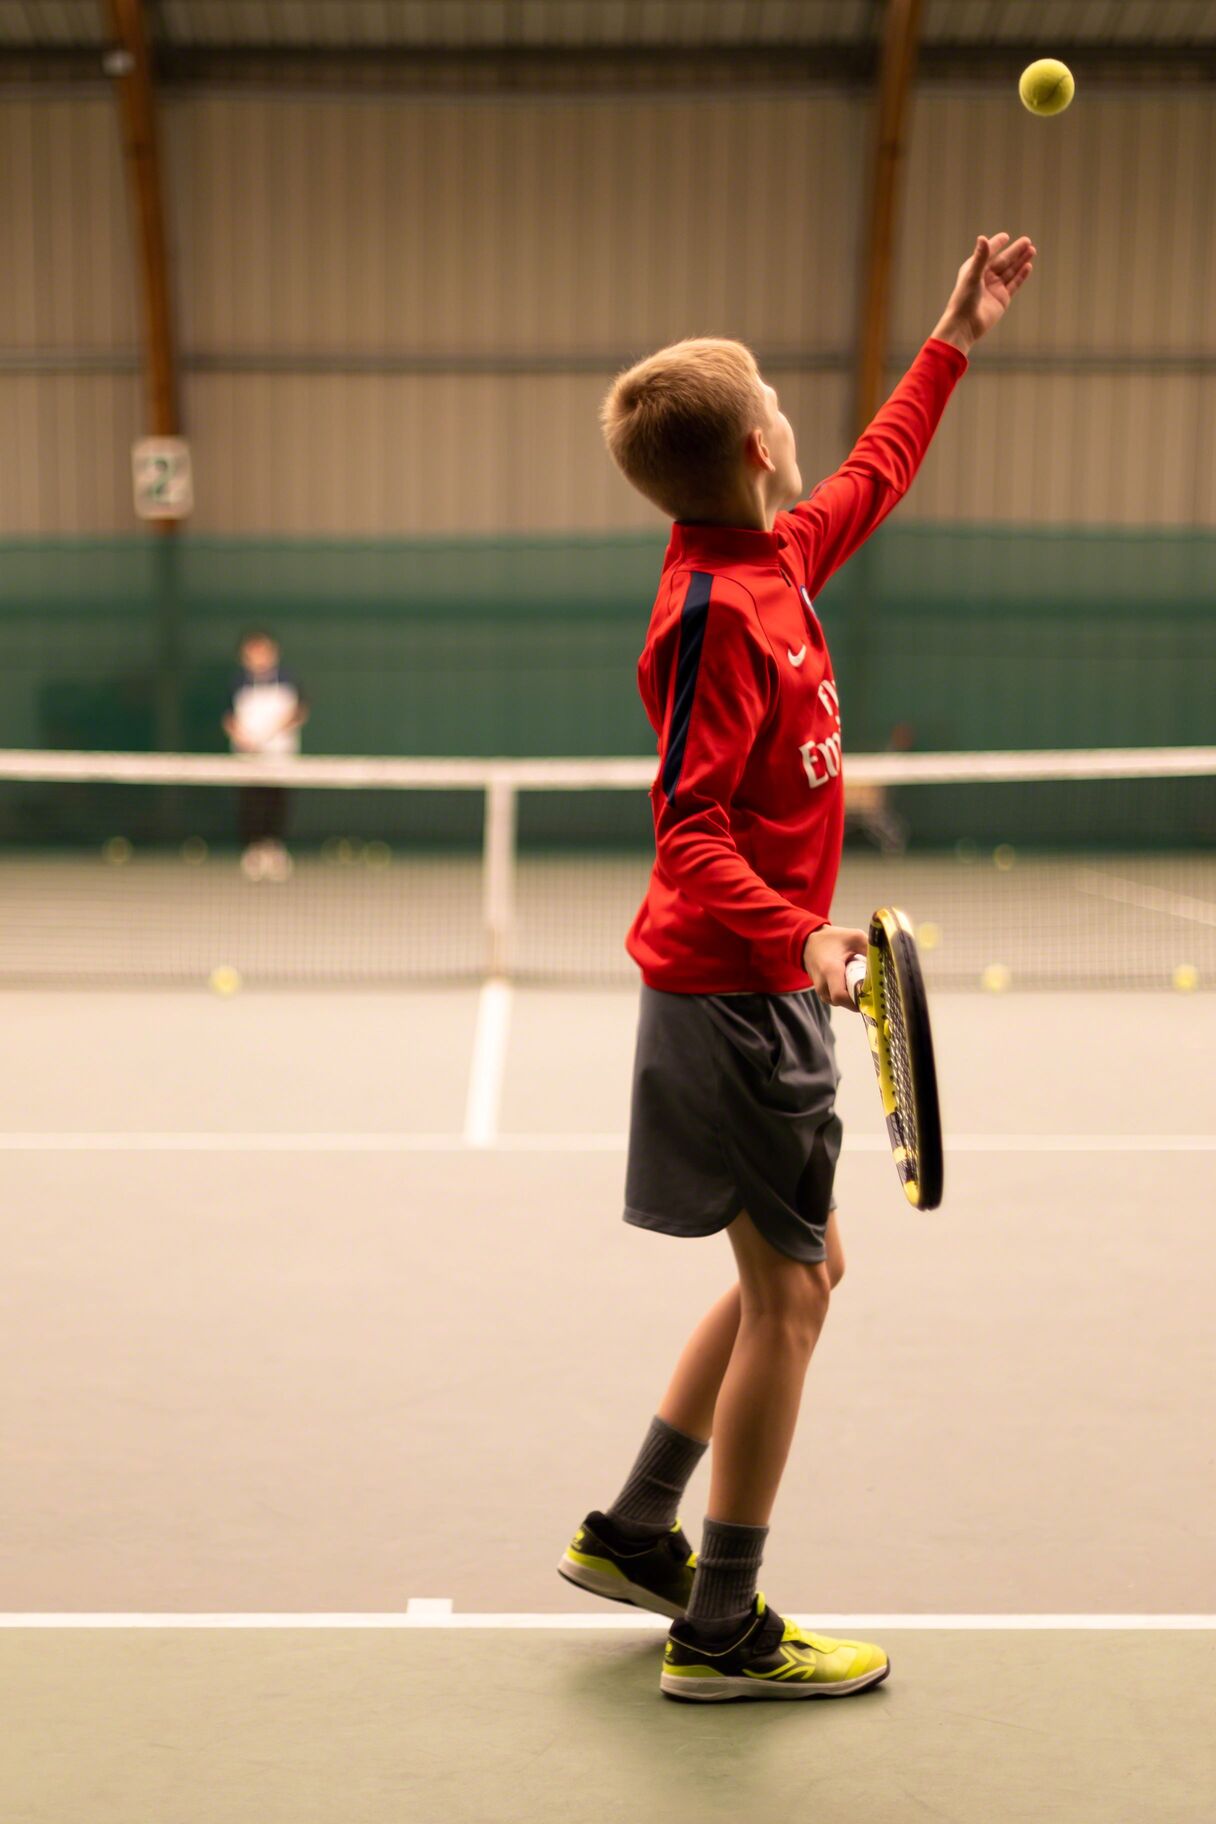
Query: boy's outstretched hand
x: 986, y: 282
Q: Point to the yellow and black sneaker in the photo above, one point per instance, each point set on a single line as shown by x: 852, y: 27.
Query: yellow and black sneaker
x: 770, y: 1658
x: 656, y: 1575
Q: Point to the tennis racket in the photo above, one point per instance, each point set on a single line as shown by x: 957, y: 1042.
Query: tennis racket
x: 889, y: 992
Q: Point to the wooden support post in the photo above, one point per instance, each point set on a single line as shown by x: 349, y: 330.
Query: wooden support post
x: 901, y: 27
x: 131, y: 67
x: 900, y: 35
x: 141, y: 145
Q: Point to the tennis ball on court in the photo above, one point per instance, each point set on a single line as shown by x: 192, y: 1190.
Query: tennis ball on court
x: 996, y: 978
x: 194, y: 851
x: 1186, y: 978
x: 225, y: 979
x: 928, y: 935
x: 117, y: 851
x: 1004, y: 856
x: 1046, y: 87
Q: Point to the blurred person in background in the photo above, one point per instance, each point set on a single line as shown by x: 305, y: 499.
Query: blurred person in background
x: 266, y: 712
x: 868, y: 811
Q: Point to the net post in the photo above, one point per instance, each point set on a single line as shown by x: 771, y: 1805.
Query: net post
x: 499, y: 883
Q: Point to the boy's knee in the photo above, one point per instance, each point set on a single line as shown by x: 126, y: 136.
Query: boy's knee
x: 817, y: 1296
x: 808, y: 1295
x: 777, y: 1289
x: 820, y: 1284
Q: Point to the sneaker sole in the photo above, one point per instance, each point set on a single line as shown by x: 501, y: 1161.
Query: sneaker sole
x: 723, y: 1690
x: 616, y: 1588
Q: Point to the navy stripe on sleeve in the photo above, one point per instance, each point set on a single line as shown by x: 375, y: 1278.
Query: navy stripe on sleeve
x: 693, y: 617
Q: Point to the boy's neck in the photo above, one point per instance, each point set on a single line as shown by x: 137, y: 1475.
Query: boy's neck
x: 746, y: 513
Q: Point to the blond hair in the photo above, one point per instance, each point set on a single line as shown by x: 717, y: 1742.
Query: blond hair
x: 675, y: 423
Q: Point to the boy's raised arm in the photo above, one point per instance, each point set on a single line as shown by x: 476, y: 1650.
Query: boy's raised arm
x: 843, y: 510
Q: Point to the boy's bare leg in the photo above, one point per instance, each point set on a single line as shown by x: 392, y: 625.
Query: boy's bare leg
x: 740, y: 1378
x: 692, y: 1394
x: 783, y: 1304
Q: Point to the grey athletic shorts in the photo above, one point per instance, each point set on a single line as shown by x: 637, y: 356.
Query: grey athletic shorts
x: 734, y: 1109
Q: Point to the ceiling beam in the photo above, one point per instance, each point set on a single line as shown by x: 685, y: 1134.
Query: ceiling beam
x: 506, y: 68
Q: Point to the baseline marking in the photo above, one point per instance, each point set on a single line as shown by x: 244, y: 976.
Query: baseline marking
x: 1145, y: 896
x: 435, y: 1612
x: 489, y: 1062
x: 480, y: 1135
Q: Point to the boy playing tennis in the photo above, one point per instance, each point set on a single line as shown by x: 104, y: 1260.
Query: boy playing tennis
x: 733, y: 1124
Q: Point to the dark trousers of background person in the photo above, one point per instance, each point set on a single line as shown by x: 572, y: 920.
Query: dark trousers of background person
x: 262, y: 813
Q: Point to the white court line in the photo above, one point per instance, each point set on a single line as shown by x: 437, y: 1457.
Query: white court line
x: 878, y: 1143
x: 479, y: 1136
x: 234, y: 1142
x: 489, y: 1062
x: 435, y: 1612
x: 1144, y: 896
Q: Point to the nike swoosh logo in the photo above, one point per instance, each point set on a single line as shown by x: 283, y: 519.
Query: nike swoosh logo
x: 796, y: 658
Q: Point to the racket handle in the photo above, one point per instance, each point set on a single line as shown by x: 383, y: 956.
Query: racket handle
x: 855, y: 976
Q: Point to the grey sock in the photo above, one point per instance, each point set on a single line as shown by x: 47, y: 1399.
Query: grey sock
x: 724, y: 1587
x: 650, y: 1499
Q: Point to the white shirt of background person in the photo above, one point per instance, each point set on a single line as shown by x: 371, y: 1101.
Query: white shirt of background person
x: 267, y: 710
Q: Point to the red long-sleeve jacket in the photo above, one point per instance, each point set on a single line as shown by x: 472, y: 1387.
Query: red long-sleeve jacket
x: 735, y: 676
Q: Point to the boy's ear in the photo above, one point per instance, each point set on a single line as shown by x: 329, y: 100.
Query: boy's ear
x: 756, y: 451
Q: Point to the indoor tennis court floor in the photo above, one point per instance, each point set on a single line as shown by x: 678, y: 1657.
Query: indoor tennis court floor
x: 321, y: 1333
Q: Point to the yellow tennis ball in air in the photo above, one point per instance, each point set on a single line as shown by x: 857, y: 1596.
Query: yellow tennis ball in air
x: 1046, y: 87
x: 1186, y: 978
x: 928, y: 935
x: 225, y: 979
x: 996, y: 978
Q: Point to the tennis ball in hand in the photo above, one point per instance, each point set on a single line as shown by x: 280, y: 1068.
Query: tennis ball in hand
x: 1046, y: 87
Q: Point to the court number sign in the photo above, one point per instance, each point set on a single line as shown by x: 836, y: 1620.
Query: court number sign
x: 164, y: 484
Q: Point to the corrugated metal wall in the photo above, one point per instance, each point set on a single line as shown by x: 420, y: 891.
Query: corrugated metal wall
x: 559, y: 228
x: 555, y: 240
x: 399, y: 317
x: 412, y: 454
x: 69, y: 388
x: 1095, y: 403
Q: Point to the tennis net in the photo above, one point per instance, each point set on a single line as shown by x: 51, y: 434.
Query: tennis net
x: 1069, y: 868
